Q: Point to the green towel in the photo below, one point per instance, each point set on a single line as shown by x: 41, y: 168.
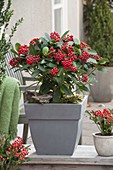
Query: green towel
x: 9, y: 106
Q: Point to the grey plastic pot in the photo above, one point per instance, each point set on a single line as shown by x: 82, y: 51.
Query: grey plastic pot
x: 55, y: 128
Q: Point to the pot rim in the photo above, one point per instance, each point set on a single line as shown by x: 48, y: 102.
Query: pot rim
x: 85, y: 97
x: 98, y: 135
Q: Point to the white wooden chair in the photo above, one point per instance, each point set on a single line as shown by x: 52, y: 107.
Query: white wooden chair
x: 18, y: 75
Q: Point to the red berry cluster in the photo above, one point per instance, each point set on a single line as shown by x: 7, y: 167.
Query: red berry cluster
x: 105, y: 114
x: 84, y: 57
x: 73, y: 68
x: 59, y: 55
x: 2, y: 158
x: 64, y: 46
x: 23, y: 50
x: 32, y: 59
x: 14, y: 62
x: 96, y: 57
x: 13, y: 153
x: 54, y: 71
x: 33, y: 41
x: 71, y: 53
x: 17, y: 149
x: 55, y: 36
x: 84, y: 78
x: 83, y: 45
x: 68, y: 64
x: 68, y: 38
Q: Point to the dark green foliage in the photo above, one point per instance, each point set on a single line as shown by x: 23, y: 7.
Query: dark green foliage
x: 98, y: 20
x: 5, y: 16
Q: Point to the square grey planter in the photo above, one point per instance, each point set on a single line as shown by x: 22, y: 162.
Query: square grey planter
x: 55, y: 128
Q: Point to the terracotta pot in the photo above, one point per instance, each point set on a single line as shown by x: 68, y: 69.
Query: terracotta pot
x: 103, y: 144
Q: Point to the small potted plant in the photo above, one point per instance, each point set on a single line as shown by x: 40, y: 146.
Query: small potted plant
x: 12, y: 154
x: 103, y: 140
x: 62, y: 65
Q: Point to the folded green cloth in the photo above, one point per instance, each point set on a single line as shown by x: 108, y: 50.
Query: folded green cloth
x: 9, y: 106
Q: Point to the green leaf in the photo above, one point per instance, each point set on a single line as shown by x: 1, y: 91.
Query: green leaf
x: 70, y: 43
x: 59, y: 80
x: 85, y: 66
x: 49, y: 59
x: 77, y: 41
x: 51, y: 65
x: 91, y: 60
x: 44, y: 41
x: 57, y: 95
x: 73, y: 79
x: 60, y: 73
x: 17, y: 45
x: 37, y: 47
x: 59, y: 44
x: 64, y: 34
x: 14, y: 52
x: 43, y: 62
x: 91, y: 79
x: 77, y: 50
x: 46, y: 87
x: 74, y: 63
x: 41, y: 68
x: 103, y: 61
x: 25, y: 67
x: 35, y: 73
x: 45, y: 50
x: 66, y: 89
x: 47, y: 36
x: 32, y: 50
x: 83, y: 88
x: 102, y: 69
x: 91, y: 52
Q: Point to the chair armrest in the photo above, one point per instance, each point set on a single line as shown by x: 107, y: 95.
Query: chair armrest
x: 26, y: 78
x: 24, y: 88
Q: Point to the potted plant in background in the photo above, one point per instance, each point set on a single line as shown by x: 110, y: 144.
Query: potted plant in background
x: 62, y: 65
x: 98, y: 21
x: 103, y: 140
x: 5, y: 40
x: 12, y: 154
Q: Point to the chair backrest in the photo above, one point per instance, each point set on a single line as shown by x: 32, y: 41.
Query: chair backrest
x: 12, y: 72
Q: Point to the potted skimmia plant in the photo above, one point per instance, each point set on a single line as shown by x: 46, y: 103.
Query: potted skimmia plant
x: 62, y: 65
x: 103, y: 140
x: 12, y: 154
